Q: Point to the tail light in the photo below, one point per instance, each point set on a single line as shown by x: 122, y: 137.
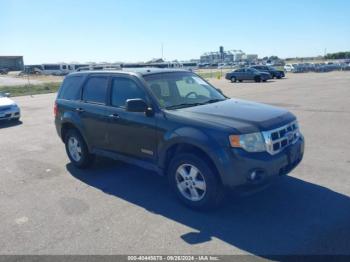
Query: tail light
x: 55, y: 110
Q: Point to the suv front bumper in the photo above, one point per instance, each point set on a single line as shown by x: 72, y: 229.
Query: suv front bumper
x: 244, y: 169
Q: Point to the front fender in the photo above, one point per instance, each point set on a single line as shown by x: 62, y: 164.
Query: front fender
x: 197, y: 138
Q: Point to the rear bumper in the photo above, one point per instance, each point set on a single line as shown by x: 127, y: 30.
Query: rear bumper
x: 236, y: 171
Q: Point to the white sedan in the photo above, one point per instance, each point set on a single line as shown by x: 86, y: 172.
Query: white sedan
x: 9, y: 110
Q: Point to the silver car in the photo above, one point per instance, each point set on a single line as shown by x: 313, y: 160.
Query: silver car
x: 9, y: 110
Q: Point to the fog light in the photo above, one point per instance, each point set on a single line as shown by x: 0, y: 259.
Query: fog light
x: 253, y: 176
x: 256, y: 175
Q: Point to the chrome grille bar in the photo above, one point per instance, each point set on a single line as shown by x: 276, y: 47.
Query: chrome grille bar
x: 278, y: 139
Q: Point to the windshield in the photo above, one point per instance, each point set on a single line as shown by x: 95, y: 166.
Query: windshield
x: 182, y: 89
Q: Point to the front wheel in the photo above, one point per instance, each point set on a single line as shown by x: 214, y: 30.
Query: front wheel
x: 233, y: 79
x: 257, y: 79
x: 77, y: 150
x: 195, y: 182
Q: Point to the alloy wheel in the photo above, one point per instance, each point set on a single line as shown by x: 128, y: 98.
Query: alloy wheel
x: 190, y: 182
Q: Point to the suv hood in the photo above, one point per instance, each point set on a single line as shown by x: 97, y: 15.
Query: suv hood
x: 5, y: 101
x: 243, y: 116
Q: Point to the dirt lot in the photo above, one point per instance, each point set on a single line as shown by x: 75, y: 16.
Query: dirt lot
x: 15, y: 80
x: 49, y: 207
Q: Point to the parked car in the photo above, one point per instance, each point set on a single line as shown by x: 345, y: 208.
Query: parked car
x: 175, y: 123
x: 269, y: 69
x: 289, y: 67
x: 247, y: 74
x: 4, y: 71
x: 9, y: 110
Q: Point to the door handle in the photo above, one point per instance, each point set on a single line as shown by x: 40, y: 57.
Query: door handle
x: 79, y: 110
x: 114, y: 116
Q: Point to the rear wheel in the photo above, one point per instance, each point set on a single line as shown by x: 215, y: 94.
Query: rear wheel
x: 77, y: 150
x: 195, y: 182
x: 257, y: 79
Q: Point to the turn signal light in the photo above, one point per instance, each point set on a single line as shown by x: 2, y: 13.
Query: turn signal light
x: 235, y: 141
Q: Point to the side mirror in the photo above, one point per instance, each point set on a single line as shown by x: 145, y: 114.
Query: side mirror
x: 136, y: 105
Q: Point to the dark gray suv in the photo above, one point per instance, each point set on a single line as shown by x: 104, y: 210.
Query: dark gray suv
x: 175, y: 123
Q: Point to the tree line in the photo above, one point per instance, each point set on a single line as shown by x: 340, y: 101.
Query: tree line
x: 338, y: 55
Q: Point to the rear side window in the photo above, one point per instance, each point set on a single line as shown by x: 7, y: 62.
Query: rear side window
x: 124, y: 89
x: 95, y: 89
x: 71, y: 88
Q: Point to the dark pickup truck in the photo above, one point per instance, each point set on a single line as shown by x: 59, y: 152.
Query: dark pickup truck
x: 175, y: 123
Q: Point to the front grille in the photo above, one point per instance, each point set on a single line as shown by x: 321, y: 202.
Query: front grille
x: 278, y: 139
x: 5, y: 116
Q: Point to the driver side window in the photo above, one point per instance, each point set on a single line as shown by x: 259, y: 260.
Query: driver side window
x: 186, y: 87
x: 124, y: 89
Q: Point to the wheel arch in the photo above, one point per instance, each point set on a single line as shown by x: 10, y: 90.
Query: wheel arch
x: 186, y: 147
x: 68, y: 125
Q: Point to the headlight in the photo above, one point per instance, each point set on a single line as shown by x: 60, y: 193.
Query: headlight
x: 253, y: 142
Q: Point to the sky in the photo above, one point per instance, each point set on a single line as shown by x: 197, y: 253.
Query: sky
x: 50, y: 31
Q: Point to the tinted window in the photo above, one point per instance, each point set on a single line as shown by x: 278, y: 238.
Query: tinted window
x: 95, y: 89
x: 71, y: 88
x: 51, y: 67
x: 124, y: 89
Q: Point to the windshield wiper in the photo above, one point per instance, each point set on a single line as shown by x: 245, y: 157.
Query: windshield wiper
x: 183, y: 105
x: 213, y: 101
x: 194, y: 104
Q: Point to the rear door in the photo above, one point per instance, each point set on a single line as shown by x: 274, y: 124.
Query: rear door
x: 130, y: 133
x: 92, y: 110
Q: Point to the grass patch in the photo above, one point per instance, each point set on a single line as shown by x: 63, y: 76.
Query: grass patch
x: 24, y: 90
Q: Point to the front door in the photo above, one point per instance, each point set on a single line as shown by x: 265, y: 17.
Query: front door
x: 130, y: 133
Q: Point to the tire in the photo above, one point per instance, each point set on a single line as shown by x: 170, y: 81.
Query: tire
x: 240, y: 81
x: 264, y: 80
x: 233, y: 79
x: 257, y: 79
x: 209, y: 191
x: 77, y: 150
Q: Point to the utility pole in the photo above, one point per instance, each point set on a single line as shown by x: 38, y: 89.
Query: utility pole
x: 162, y: 51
